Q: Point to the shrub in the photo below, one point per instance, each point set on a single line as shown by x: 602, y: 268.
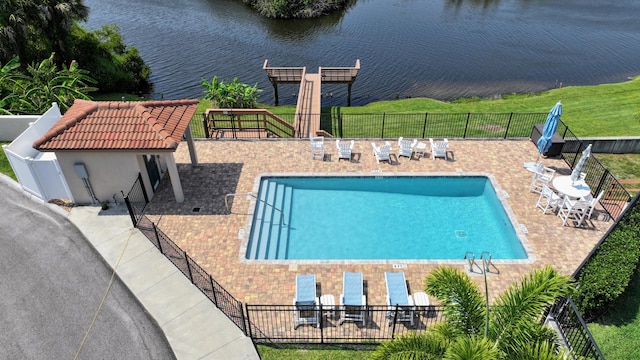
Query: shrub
x: 608, y: 271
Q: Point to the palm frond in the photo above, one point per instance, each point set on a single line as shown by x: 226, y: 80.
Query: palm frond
x: 464, y: 306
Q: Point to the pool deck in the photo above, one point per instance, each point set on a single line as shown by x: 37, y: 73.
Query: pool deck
x: 211, y: 236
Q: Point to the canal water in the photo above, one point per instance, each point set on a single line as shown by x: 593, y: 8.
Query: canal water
x: 443, y: 49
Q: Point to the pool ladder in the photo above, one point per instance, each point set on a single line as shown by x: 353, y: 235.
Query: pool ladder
x: 485, y: 258
x: 226, y: 204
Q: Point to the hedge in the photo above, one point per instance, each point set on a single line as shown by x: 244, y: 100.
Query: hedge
x: 608, y: 271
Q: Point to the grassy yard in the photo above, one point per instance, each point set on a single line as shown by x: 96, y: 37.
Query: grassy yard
x: 618, y: 332
x: 600, y: 110
x: 316, y: 352
x: 5, y: 167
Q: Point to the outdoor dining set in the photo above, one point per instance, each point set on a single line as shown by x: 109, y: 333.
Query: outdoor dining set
x: 568, y: 196
x: 405, y: 147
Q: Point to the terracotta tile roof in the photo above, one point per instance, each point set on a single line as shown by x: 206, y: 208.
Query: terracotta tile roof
x: 114, y: 125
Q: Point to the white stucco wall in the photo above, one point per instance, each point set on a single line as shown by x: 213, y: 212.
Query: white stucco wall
x: 109, y: 173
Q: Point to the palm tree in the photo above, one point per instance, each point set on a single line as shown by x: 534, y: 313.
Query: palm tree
x: 31, y: 30
x: 510, y: 329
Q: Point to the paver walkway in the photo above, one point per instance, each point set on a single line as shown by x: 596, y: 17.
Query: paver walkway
x: 210, y: 235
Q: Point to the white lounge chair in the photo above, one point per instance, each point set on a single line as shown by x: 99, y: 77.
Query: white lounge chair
x: 352, y: 300
x: 382, y: 152
x: 439, y: 148
x: 541, y: 178
x: 317, y: 147
x: 548, y: 200
x: 305, y: 303
x: 405, y: 147
x: 400, y: 303
x: 344, y: 149
x: 574, y: 211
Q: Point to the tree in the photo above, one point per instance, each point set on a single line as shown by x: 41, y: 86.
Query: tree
x: 43, y: 84
x: 231, y: 95
x: 510, y: 329
x: 31, y: 30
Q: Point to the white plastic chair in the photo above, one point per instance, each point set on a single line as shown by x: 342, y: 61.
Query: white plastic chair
x: 540, y: 179
x: 405, y: 147
x: 592, y: 203
x: 382, y: 152
x: 439, y: 148
x: 317, y: 147
x: 574, y: 211
x: 344, y: 149
x: 548, y: 200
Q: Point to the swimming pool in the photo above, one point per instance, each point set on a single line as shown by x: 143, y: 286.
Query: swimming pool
x: 376, y: 217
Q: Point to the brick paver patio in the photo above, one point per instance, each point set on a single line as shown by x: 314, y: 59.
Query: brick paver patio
x: 210, y: 235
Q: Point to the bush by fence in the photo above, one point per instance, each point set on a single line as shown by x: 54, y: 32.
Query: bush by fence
x: 609, y: 268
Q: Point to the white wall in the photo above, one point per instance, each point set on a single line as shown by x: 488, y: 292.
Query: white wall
x: 13, y: 125
x: 109, y: 173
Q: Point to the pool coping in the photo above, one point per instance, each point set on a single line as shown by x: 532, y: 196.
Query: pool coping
x: 501, y: 194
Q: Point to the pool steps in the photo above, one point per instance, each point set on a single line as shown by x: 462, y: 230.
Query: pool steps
x: 270, y: 233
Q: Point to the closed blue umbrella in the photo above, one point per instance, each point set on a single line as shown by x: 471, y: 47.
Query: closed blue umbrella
x: 550, y: 126
x: 575, y: 174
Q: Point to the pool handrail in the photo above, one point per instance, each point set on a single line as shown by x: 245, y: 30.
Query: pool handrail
x: 226, y: 204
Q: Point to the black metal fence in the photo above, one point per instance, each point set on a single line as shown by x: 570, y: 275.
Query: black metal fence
x: 599, y: 179
x: 223, y: 300
x: 276, y: 323
x: 419, y: 125
x: 574, y: 330
x: 137, y: 200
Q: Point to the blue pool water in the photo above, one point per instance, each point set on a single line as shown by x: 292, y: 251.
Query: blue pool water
x: 376, y: 218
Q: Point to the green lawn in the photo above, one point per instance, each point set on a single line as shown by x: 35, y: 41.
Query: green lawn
x: 316, y: 352
x: 5, y: 167
x: 618, y: 333
x: 600, y: 110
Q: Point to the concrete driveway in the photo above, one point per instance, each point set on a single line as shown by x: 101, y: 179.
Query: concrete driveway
x: 52, y: 284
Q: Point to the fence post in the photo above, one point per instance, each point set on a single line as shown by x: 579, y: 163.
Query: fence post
x: 464, y: 136
x: 424, y: 127
x: 144, y: 191
x: 506, y: 132
x: 573, y: 163
x: 213, y: 291
x: 383, y: 117
x: 130, y: 209
x: 205, y: 125
x: 393, y: 325
x: 186, y: 258
x: 248, y: 322
x: 155, y: 233
x: 601, y: 183
x: 244, y: 320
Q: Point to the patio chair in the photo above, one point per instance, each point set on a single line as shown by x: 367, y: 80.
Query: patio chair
x: 405, y: 147
x: 352, y: 300
x: 317, y: 147
x: 592, y: 203
x: 439, y: 148
x: 541, y: 178
x: 574, y: 211
x: 305, y: 303
x: 548, y: 200
x: 344, y: 149
x: 382, y: 152
x: 399, y: 302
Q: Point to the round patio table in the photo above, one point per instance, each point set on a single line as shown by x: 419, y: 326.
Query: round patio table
x: 575, y: 190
